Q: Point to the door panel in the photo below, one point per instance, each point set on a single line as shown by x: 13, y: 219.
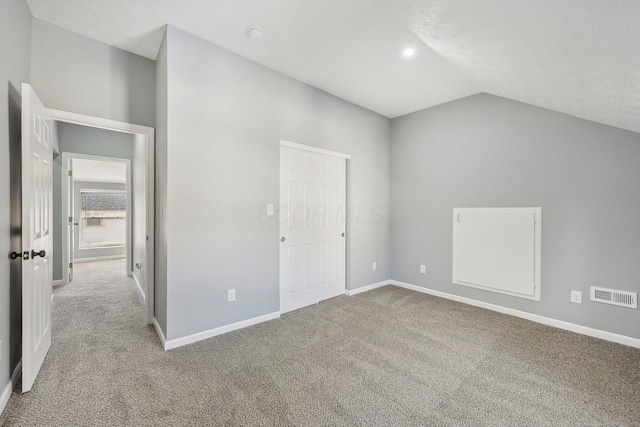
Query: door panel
x: 333, y: 178
x: 312, y: 223
x: 297, y: 195
x: 36, y: 236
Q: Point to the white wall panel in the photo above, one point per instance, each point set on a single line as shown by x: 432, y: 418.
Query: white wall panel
x: 498, y: 249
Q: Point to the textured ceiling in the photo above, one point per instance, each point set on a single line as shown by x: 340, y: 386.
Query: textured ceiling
x: 580, y: 57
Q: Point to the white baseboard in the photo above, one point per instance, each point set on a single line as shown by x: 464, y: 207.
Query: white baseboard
x: 99, y: 258
x: 190, y: 339
x: 4, y: 397
x: 59, y: 282
x: 160, y: 333
x: 561, y: 324
x: 351, y: 292
x: 138, y: 287
x: 6, y: 394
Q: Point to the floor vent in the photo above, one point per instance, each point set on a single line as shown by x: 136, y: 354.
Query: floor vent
x: 615, y: 297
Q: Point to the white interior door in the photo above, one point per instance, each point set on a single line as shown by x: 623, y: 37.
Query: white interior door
x: 312, y: 227
x: 332, y: 208
x: 36, y: 235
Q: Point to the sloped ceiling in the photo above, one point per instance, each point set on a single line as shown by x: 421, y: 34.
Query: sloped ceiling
x: 580, y: 57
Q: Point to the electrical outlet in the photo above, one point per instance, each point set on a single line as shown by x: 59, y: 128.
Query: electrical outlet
x: 374, y: 265
x: 576, y: 297
x: 423, y: 269
x: 270, y: 211
x: 231, y: 295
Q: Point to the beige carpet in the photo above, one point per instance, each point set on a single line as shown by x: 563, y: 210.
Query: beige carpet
x: 389, y: 357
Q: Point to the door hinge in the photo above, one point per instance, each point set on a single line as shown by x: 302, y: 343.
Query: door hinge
x: 70, y: 219
x: 70, y: 265
x: 70, y: 173
x: 147, y: 238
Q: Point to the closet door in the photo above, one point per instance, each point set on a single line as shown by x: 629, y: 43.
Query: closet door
x: 312, y: 227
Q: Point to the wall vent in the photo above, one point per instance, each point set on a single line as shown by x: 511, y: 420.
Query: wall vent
x: 614, y: 296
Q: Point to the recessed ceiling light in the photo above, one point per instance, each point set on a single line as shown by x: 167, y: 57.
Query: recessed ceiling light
x: 254, y: 32
x: 408, y: 52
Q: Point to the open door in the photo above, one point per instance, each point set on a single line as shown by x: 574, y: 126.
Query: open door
x: 71, y: 224
x: 36, y: 235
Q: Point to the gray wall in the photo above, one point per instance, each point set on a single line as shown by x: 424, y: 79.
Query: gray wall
x: 160, y: 295
x: 58, y: 182
x: 74, y: 73
x: 226, y: 117
x: 93, y: 141
x: 15, y: 40
x: 82, y: 140
x: 486, y: 151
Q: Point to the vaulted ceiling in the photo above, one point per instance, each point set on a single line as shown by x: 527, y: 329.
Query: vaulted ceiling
x: 580, y: 57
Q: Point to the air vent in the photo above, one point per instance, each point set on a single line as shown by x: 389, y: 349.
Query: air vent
x: 615, y: 297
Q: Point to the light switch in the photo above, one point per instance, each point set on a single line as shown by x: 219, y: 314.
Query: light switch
x: 576, y: 297
x: 270, y: 209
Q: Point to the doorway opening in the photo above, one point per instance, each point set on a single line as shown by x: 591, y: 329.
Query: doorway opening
x: 106, y: 198
x: 96, y: 204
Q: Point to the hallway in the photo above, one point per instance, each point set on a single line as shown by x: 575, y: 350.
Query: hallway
x: 98, y: 334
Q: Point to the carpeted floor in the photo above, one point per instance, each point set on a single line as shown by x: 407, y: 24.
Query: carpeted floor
x: 389, y: 357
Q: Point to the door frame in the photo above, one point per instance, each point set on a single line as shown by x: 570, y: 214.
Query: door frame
x: 290, y: 144
x: 148, y: 136
x: 347, y: 158
x: 66, y: 197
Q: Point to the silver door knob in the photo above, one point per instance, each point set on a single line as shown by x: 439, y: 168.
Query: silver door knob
x: 342, y: 234
x: 282, y: 239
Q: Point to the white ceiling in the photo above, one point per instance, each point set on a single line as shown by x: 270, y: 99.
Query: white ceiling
x: 580, y: 57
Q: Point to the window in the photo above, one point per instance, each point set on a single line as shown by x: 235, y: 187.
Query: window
x: 103, y: 218
x: 93, y: 222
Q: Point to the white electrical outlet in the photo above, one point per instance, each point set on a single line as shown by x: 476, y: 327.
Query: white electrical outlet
x: 231, y: 295
x: 423, y: 269
x: 374, y: 265
x: 576, y: 297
